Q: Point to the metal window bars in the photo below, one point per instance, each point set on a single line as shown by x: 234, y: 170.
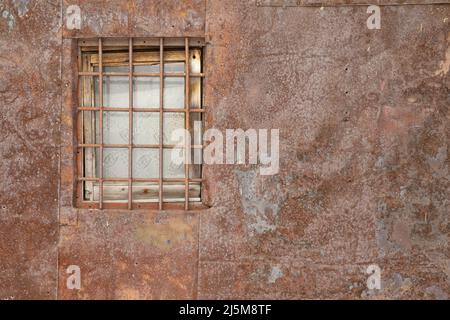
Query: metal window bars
x: 83, y: 106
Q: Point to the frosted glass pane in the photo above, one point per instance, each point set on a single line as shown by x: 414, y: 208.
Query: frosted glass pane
x: 115, y: 127
x: 154, y: 68
x: 115, y: 91
x: 171, y: 122
x: 120, y: 69
x: 174, y: 67
x: 174, y: 92
x: 146, y: 92
x: 172, y: 169
x: 145, y: 128
x: 115, y: 163
x: 195, y: 169
x: 146, y: 163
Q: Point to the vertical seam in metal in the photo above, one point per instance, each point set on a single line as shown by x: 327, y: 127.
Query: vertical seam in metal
x: 61, y: 110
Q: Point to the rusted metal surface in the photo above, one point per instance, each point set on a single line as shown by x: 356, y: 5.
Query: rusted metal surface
x: 364, y: 152
x: 332, y: 3
x: 30, y: 108
x: 139, y: 18
x: 138, y: 255
x: 364, y: 156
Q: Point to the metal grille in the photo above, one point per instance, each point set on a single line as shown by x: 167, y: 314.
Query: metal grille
x: 100, y: 45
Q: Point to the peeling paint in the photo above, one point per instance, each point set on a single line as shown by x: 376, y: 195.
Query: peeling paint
x: 9, y: 19
x: 275, y: 274
x: 437, y: 293
x: 21, y: 7
x: 261, y: 207
x: 438, y: 162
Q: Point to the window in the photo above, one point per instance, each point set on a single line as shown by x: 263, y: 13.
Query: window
x: 133, y: 93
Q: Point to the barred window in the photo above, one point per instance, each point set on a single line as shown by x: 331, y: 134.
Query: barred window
x: 133, y: 93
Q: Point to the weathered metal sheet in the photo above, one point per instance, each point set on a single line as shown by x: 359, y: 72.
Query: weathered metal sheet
x: 364, y: 130
x: 364, y: 166
x: 30, y: 103
x: 318, y: 3
x: 131, y: 255
x: 137, y: 18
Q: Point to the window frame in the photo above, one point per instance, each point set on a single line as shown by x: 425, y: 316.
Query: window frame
x: 104, y: 45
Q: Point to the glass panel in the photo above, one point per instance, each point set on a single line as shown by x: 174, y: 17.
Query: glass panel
x: 174, y: 92
x: 145, y: 128
x: 146, y: 92
x: 115, y: 91
x: 146, y: 163
x: 115, y: 163
x: 120, y: 69
x: 173, y: 168
x: 115, y: 127
x: 171, y: 122
x: 196, y: 140
x: 177, y: 61
x: 173, y: 67
x: 154, y: 68
x: 195, y: 168
x: 90, y: 127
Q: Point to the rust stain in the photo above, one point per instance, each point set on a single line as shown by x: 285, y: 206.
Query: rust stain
x: 166, y: 234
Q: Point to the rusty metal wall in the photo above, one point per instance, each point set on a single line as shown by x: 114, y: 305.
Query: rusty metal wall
x: 364, y: 156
